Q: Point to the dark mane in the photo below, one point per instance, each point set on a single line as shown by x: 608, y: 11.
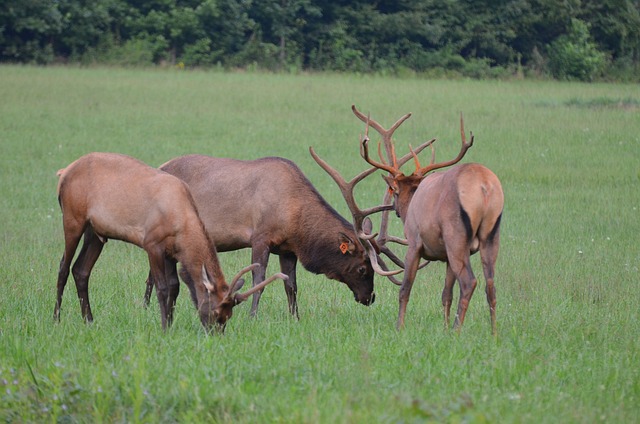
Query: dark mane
x: 303, y: 178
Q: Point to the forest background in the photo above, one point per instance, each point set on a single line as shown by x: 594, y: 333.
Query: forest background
x: 571, y: 39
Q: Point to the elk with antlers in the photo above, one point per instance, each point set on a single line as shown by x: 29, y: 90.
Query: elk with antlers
x: 447, y: 217
x: 110, y: 196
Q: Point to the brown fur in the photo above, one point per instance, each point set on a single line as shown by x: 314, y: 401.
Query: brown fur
x: 451, y: 215
x: 447, y: 217
x: 111, y: 196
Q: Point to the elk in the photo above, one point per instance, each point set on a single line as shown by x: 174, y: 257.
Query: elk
x: 111, y: 196
x: 271, y: 207
x: 447, y: 217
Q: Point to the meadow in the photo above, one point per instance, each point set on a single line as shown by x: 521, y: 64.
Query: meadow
x: 568, y: 344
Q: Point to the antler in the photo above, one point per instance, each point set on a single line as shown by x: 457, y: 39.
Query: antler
x: 433, y: 166
x: 236, y: 284
x: 241, y: 297
x: 358, y: 214
x: 386, y: 138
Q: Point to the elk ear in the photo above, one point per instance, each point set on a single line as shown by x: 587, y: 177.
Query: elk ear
x: 205, y: 280
x: 237, y: 286
x: 391, y: 182
x: 346, y: 244
x: 367, y: 226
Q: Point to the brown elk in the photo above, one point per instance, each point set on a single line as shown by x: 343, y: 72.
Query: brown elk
x: 270, y: 206
x: 111, y: 196
x: 447, y: 217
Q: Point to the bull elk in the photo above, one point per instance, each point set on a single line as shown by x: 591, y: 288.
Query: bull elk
x: 111, y: 196
x: 447, y: 217
x: 271, y: 207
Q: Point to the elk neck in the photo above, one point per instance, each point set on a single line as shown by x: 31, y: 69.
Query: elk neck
x: 318, y: 246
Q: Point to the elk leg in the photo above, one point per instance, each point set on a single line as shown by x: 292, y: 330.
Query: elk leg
x: 89, y: 254
x: 259, y: 254
x: 157, y: 266
x: 468, y: 283
x: 149, y: 289
x: 288, y: 267
x: 411, y: 261
x: 186, y: 277
x: 489, y: 255
x: 173, y: 283
x: 447, y: 294
x: 71, y: 241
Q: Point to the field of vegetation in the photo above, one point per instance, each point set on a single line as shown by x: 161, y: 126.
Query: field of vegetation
x: 568, y: 345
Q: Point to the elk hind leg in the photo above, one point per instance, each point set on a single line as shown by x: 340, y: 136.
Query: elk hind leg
x: 71, y: 240
x: 411, y: 261
x: 468, y: 283
x: 447, y: 294
x: 89, y: 254
x: 489, y: 255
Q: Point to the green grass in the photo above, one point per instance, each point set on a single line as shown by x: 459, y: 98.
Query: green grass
x: 567, y: 275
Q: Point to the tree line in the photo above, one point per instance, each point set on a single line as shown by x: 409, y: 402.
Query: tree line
x: 569, y: 39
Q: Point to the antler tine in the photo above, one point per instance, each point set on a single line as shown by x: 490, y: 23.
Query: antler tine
x: 415, y: 155
x: 385, y: 268
x: 346, y: 188
x: 463, y: 150
x: 377, y: 260
x: 367, y: 120
x: 462, y: 135
x: 364, y: 152
x: 240, y: 273
x: 241, y: 297
x: 385, y: 133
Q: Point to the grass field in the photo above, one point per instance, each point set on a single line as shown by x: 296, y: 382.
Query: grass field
x: 568, y: 348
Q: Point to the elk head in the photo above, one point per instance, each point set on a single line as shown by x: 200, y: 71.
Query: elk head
x: 215, y: 307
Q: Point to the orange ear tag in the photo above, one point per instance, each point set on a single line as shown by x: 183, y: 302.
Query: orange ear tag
x: 344, y: 247
x: 390, y: 191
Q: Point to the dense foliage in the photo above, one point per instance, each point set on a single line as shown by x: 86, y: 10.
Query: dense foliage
x: 573, y: 39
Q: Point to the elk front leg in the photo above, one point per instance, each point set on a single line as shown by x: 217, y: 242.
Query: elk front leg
x: 259, y: 254
x: 288, y: 267
x: 191, y: 285
x: 157, y: 267
x: 148, y: 290
x: 411, y: 261
x: 173, y: 283
x: 91, y: 249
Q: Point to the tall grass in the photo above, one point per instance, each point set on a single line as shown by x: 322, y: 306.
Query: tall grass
x: 567, y: 274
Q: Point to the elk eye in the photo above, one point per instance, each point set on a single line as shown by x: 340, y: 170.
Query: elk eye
x: 362, y: 270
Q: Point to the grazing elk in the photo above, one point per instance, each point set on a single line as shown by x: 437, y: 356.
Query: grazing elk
x: 111, y: 196
x: 270, y: 206
x: 447, y: 217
